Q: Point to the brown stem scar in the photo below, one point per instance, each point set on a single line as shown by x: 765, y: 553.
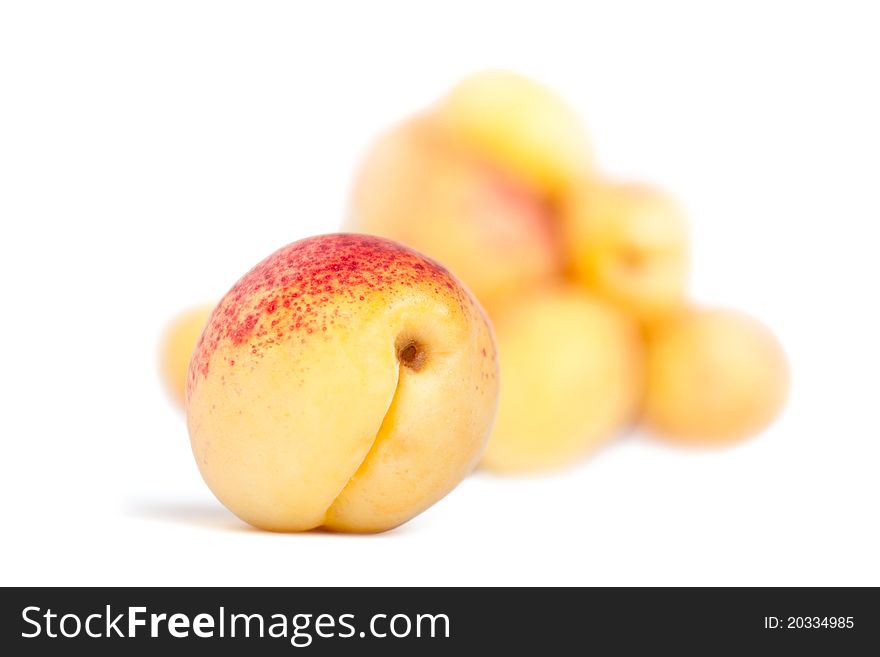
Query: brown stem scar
x: 411, y: 355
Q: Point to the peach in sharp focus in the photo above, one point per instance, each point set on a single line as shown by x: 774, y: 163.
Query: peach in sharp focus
x: 346, y: 382
x: 491, y: 231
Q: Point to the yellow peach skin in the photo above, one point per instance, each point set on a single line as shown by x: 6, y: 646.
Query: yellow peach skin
x: 713, y: 376
x: 415, y: 187
x: 521, y: 126
x: 177, y: 346
x: 629, y: 244
x: 571, y: 367
x: 345, y: 382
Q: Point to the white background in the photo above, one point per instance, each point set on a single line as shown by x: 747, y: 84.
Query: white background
x: 151, y: 152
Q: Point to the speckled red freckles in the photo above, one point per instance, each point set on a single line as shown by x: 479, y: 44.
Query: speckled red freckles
x: 302, y: 287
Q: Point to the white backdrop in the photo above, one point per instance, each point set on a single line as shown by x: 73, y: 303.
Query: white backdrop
x: 151, y: 152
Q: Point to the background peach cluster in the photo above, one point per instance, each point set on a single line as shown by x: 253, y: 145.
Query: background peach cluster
x: 585, y: 279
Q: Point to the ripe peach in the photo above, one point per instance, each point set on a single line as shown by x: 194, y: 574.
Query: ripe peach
x: 521, y: 126
x: 629, y: 244
x: 713, y: 376
x: 571, y: 376
x: 177, y: 346
x: 345, y: 382
x: 491, y: 232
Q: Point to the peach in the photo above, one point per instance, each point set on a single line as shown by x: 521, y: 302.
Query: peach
x: 713, y: 376
x: 521, y: 126
x: 629, y: 244
x: 177, y: 346
x: 494, y: 234
x: 345, y: 382
x: 571, y: 367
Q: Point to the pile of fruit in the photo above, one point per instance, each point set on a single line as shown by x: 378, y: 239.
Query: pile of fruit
x: 583, y: 279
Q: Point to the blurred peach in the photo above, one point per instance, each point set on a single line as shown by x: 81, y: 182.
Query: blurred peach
x: 521, y: 126
x: 713, y: 376
x: 571, y: 372
x: 629, y: 244
x: 419, y: 189
x: 176, y: 348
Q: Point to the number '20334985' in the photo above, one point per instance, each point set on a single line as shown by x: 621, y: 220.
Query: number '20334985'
x: 809, y: 622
